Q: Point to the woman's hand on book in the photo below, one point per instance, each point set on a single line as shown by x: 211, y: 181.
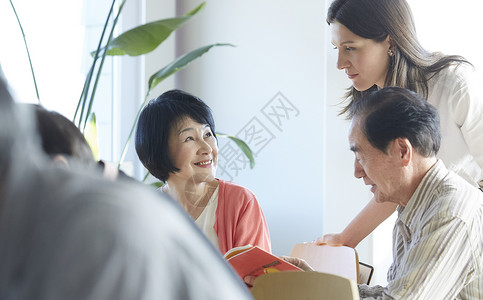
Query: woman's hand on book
x: 298, y: 262
x: 249, y: 280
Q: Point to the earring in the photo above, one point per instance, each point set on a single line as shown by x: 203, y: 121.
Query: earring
x: 390, y: 52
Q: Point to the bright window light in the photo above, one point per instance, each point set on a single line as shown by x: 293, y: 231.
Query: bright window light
x: 55, y: 37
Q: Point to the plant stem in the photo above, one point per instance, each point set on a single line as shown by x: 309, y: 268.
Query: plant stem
x: 85, y: 91
x: 126, y: 145
x: 28, y: 53
x: 82, y: 98
x: 91, y: 101
x: 145, y: 177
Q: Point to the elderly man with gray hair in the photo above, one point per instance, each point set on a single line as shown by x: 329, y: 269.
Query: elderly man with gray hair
x: 438, y: 235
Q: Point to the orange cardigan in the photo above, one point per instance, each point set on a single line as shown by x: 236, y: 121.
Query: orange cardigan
x: 239, y: 218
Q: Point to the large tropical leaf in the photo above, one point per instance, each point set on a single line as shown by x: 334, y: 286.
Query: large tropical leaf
x: 145, y: 38
x: 242, y: 145
x: 179, y: 63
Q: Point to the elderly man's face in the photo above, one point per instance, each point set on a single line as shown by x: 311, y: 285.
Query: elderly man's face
x: 379, y: 170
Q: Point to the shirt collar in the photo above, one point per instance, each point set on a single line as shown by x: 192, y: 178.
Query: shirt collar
x: 426, y: 187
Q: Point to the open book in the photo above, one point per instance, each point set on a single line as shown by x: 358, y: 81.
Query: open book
x: 340, y: 260
x: 254, y: 261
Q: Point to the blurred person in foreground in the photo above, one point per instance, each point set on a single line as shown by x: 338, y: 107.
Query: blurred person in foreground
x: 70, y: 234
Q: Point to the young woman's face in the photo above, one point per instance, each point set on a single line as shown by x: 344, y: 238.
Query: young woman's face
x: 365, y: 61
x: 194, y: 151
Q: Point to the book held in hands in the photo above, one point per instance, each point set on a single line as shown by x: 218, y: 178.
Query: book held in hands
x: 254, y: 261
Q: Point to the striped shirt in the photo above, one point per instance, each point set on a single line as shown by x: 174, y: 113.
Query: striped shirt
x: 437, y: 242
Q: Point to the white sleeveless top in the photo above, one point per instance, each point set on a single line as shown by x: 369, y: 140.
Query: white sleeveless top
x: 206, y: 221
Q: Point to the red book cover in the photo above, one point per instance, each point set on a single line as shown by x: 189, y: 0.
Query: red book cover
x: 254, y: 261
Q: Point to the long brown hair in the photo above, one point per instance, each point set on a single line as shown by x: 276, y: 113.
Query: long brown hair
x: 411, y: 66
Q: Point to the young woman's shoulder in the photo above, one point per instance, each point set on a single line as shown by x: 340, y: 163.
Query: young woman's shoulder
x: 460, y: 73
x: 451, y: 79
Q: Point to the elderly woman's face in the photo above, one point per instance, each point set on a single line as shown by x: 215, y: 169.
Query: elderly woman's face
x: 194, y: 151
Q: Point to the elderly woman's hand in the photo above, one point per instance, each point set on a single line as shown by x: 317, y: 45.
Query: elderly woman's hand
x: 298, y: 262
x: 249, y: 280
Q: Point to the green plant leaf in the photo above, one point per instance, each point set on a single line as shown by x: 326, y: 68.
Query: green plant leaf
x: 90, y: 134
x: 147, y: 37
x: 179, y: 63
x: 157, y: 184
x: 242, y: 145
